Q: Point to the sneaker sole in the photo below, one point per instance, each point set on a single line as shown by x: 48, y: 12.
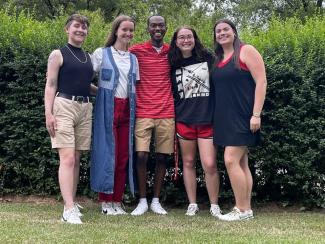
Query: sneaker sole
x: 121, y: 214
x: 242, y: 219
x: 159, y: 213
x: 248, y: 218
x: 136, y: 214
x: 66, y: 222
x: 106, y: 213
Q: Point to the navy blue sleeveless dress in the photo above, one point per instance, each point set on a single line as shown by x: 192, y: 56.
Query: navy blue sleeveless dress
x: 234, y: 92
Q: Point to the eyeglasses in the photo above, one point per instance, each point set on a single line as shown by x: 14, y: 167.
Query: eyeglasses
x: 183, y: 38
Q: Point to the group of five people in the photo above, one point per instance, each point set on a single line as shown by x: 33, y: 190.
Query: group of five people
x: 207, y: 99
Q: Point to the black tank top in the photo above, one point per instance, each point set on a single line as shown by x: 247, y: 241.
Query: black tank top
x: 76, y: 71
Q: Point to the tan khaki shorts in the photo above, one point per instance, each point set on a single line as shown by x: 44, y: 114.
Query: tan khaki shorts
x: 73, y: 124
x: 164, y: 130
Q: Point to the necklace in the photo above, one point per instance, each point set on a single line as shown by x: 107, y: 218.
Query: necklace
x: 121, y: 53
x: 83, y: 62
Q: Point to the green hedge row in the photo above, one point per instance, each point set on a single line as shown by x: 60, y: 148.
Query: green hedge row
x: 291, y: 162
x: 288, y: 167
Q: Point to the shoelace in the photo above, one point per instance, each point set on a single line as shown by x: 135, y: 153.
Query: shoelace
x: 234, y: 212
x: 78, y: 206
x: 215, y: 210
x: 72, y: 214
x: 191, y: 208
x: 119, y: 206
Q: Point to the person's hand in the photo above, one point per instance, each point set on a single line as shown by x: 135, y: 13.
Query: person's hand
x: 255, y: 123
x: 51, y: 124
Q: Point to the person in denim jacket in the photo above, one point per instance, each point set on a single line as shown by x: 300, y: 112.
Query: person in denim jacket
x: 112, y: 145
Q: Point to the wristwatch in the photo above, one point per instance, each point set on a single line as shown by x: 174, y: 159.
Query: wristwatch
x: 256, y: 115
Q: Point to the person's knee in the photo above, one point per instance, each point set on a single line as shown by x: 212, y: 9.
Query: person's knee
x: 210, y: 167
x: 142, y: 158
x: 68, y: 161
x: 230, y: 161
x: 161, y: 158
x: 188, y: 163
x: 161, y: 161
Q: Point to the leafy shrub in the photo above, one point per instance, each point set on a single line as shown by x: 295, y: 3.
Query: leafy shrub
x: 289, y: 166
x: 291, y: 163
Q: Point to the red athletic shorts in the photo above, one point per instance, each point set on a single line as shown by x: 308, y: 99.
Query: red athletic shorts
x: 193, y: 132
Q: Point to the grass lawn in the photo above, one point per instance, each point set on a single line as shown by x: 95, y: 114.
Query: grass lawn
x: 23, y: 222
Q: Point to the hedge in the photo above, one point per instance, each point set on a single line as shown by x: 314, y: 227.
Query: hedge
x: 288, y: 167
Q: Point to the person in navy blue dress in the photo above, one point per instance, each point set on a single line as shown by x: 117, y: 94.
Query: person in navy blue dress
x: 239, y: 82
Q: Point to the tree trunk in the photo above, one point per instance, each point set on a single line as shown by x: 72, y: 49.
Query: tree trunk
x: 319, y: 3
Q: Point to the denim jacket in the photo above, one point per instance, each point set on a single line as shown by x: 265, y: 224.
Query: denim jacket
x: 103, y: 144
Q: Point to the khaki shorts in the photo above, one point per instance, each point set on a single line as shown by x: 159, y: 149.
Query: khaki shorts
x: 164, y: 130
x: 73, y: 121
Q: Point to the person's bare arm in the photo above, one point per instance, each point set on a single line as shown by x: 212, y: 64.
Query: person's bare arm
x: 53, y: 66
x: 93, y: 89
x: 254, y: 61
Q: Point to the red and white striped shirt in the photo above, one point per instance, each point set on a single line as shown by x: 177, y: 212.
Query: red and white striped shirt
x: 154, y: 90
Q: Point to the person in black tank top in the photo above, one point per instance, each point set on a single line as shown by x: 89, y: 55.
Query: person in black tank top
x: 68, y: 110
x: 239, y: 84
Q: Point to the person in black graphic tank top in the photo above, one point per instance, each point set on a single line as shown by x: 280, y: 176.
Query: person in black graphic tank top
x: 68, y: 110
x: 190, y: 73
x: 239, y: 82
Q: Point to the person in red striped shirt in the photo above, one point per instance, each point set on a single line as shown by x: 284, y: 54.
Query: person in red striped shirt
x: 154, y: 111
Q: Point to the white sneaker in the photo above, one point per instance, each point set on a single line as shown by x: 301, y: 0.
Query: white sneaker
x: 78, y: 207
x: 215, y: 210
x: 157, y: 208
x: 192, y: 209
x: 140, y: 209
x: 71, y: 216
x: 107, y: 208
x: 236, y: 215
x: 117, y: 206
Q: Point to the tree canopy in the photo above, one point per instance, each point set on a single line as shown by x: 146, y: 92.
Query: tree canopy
x: 253, y: 12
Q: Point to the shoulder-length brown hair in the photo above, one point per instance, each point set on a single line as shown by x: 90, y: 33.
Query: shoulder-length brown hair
x: 111, y: 39
x: 237, y: 43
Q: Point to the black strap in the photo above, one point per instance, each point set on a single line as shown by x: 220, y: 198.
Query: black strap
x: 84, y: 99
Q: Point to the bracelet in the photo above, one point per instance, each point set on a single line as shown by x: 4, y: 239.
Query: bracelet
x: 257, y: 115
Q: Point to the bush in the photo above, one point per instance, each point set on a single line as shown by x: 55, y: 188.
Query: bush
x: 289, y: 166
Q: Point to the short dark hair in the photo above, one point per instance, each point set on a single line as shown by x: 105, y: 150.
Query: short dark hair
x: 79, y: 18
x: 155, y: 15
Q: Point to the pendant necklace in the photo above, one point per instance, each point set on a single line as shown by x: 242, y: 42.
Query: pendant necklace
x: 83, y: 62
x: 121, y: 53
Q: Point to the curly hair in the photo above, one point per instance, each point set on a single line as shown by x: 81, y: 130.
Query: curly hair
x: 175, y: 55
